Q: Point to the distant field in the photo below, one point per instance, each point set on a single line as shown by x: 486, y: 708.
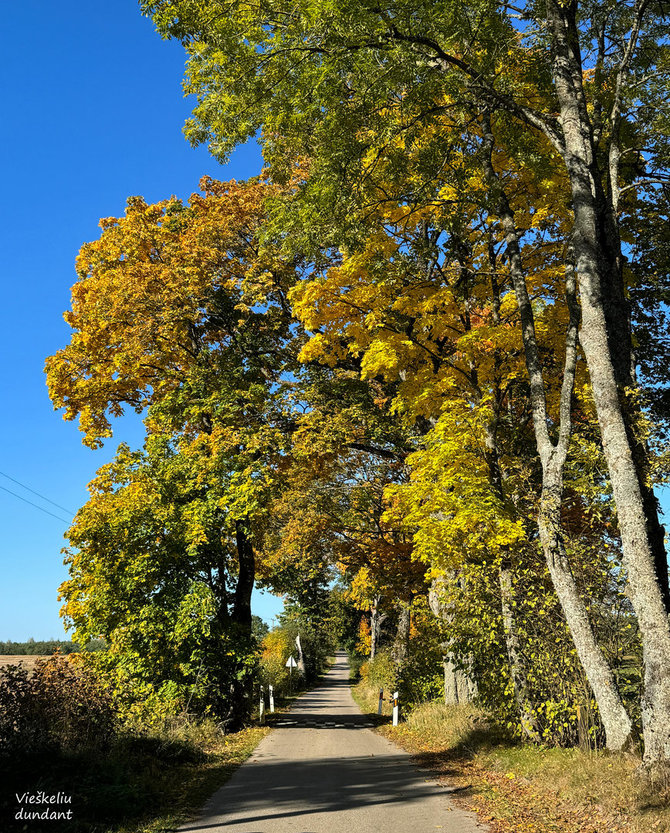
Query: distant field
x: 14, y: 659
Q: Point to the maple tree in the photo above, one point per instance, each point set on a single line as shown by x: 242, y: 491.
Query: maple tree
x: 154, y: 571
x: 346, y: 448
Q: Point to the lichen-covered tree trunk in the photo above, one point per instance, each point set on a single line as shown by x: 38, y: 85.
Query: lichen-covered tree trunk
x: 400, y: 650
x: 451, y: 681
x: 603, y: 329
x: 644, y: 588
x: 553, y: 455
x: 613, y: 714
x: 459, y: 687
x: 377, y: 619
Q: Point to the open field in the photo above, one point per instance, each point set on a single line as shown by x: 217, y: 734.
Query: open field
x: 14, y: 659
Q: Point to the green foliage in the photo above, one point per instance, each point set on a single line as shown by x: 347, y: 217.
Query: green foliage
x: 420, y: 677
x: 259, y: 628
x: 141, y: 579
x: 559, y: 695
x: 343, y: 619
x: 348, y: 87
x: 357, y: 664
x: 381, y: 671
x: 317, y: 638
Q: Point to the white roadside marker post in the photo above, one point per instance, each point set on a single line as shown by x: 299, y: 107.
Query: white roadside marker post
x: 395, y: 708
x: 261, y: 707
x: 272, y: 700
x: 381, y: 700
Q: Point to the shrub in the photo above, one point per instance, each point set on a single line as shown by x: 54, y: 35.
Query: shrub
x: 57, y: 705
x: 358, y: 666
x: 381, y: 671
x: 276, y: 648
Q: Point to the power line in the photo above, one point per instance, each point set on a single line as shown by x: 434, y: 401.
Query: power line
x: 25, y: 500
x: 27, y: 488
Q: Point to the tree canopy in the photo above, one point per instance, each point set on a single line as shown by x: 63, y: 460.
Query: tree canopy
x: 420, y: 352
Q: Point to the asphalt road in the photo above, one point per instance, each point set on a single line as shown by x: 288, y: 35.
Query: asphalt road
x: 323, y: 771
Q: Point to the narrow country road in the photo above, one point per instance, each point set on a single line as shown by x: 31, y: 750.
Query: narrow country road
x: 323, y: 771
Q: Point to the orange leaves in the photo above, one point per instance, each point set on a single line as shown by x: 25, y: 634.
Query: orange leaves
x: 141, y: 309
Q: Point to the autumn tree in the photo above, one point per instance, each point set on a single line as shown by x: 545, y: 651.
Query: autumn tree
x: 346, y: 448
x: 153, y: 570
x: 179, y: 311
x: 430, y: 303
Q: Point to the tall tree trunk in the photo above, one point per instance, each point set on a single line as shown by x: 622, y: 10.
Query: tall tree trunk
x: 238, y: 700
x: 451, y: 686
x: 241, y: 614
x: 459, y: 686
x: 603, y: 327
x: 377, y: 619
x: 373, y: 632
x: 400, y: 650
x: 615, y: 719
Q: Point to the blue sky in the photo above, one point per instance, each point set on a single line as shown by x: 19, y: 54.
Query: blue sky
x: 93, y: 113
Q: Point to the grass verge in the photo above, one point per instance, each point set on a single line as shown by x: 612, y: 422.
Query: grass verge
x: 518, y: 788
x: 183, y: 791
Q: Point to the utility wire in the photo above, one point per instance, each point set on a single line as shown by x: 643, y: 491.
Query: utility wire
x: 25, y: 500
x: 27, y: 488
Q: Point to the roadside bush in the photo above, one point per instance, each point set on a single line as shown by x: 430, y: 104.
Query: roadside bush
x: 61, y: 729
x: 381, y: 671
x: 56, y: 706
x: 276, y: 648
x: 421, y: 674
x: 357, y: 665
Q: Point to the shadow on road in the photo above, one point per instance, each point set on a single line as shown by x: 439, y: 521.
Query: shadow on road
x: 318, y: 720
x: 324, y: 785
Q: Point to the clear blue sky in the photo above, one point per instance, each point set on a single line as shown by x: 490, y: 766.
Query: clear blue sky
x: 93, y: 113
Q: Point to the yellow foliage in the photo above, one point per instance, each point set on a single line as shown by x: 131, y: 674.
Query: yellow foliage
x: 364, y: 637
